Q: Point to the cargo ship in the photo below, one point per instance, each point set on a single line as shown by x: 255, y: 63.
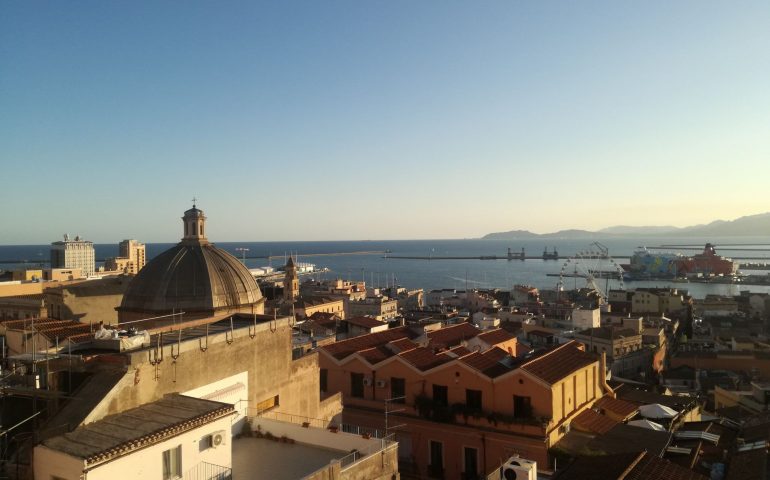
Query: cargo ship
x: 647, y: 265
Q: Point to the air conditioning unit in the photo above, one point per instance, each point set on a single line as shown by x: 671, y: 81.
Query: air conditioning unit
x: 517, y: 468
x: 218, y: 439
x: 367, y: 381
x: 382, y: 383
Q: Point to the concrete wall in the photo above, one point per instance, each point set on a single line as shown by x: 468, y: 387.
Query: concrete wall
x: 233, y: 390
x: 48, y: 463
x: 93, y: 301
x: 146, y: 463
x: 266, y: 358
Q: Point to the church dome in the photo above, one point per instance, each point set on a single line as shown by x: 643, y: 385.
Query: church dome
x: 194, y: 277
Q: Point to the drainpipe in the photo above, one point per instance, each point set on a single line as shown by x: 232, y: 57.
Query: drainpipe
x: 603, y: 379
x: 483, y: 453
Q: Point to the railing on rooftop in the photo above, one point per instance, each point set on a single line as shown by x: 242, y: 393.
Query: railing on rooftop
x: 289, y: 418
x: 209, y: 471
x: 357, y: 430
x: 317, y: 423
x: 356, y: 456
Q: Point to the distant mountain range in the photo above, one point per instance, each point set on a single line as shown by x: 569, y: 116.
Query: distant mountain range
x: 749, y: 225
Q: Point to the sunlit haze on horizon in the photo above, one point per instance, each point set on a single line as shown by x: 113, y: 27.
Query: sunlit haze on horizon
x: 379, y: 120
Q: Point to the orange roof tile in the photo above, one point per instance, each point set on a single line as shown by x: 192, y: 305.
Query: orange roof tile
x: 376, y: 354
x: 424, y: 358
x: 494, y: 337
x: 488, y: 362
x: 365, y: 322
x: 559, y: 362
x: 592, y: 422
x: 344, y: 348
x: 401, y: 345
x: 450, y: 336
x: 616, y: 406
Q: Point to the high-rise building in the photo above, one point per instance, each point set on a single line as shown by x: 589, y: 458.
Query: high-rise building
x: 76, y: 253
x: 131, y: 258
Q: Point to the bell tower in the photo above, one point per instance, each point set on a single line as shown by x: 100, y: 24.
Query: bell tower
x: 290, y: 282
x: 194, y: 226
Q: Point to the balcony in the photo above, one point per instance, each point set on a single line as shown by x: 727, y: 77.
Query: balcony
x: 208, y: 471
x: 460, y: 413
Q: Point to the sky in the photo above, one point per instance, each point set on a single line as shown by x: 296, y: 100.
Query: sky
x: 327, y: 120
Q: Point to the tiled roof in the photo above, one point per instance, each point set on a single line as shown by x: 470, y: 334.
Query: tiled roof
x: 26, y: 324
x: 749, y: 465
x: 626, y: 466
x: 624, y: 438
x: 152, y: 423
x: 317, y: 327
x: 53, y: 329
x: 376, y: 354
x: 608, y: 333
x: 325, y: 317
x: 460, y: 351
x: 424, y: 358
x: 651, y: 467
x: 617, y: 406
x: 344, y: 348
x: 314, y: 301
x: 522, y: 349
x: 643, y: 397
x: 559, y: 362
x: 365, y: 322
x: 496, y: 354
x: 401, y: 345
x: 488, y: 362
x: 448, y: 337
x: 590, y: 421
x: 494, y: 337
x: 540, y: 333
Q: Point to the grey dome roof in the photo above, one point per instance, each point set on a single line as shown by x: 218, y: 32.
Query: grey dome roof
x: 192, y: 277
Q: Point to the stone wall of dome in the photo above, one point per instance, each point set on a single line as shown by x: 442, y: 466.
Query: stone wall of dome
x: 194, y: 277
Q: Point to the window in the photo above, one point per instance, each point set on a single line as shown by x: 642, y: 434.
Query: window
x: 267, y: 404
x: 471, y: 462
x: 522, y: 406
x: 436, y: 467
x: 398, y: 389
x: 357, y: 385
x: 324, y: 379
x: 473, y: 399
x: 172, y: 463
x: 441, y: 395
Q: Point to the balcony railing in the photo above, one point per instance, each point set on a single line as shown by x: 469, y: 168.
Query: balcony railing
x: 209, y: 471
x: 358, y: 455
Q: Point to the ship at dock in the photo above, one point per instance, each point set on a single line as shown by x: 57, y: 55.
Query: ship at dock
x: 647, y: 265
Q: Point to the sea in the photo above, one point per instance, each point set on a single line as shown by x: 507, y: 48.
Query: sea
x: 381, y: 269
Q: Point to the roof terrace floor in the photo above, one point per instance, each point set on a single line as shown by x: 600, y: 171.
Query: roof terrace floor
x: 260, y: 458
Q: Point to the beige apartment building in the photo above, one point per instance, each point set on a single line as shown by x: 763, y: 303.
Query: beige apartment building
x: 131, y: 259
x: 72, y: 254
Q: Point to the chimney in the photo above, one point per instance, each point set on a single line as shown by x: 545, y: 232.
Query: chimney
x: 603, y: 372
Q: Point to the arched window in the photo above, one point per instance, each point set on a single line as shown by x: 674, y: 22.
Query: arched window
x: 185, y: 230
x: 201, y: 229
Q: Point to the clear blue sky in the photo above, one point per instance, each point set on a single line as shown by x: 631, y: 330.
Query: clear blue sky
x: 379, y: 119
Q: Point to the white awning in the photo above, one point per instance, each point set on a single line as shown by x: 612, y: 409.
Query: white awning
x: 647, y: 424
x: 657, y: 410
